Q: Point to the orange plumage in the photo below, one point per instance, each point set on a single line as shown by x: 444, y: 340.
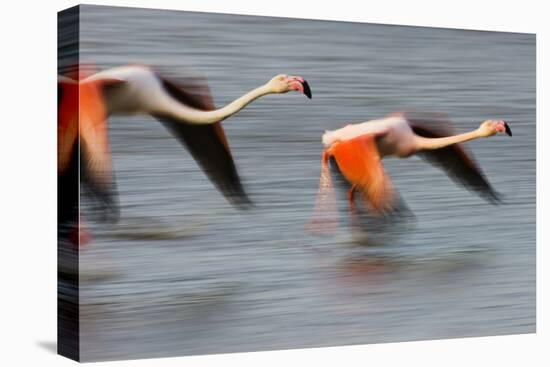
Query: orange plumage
x: 83, y: 115
x: 358, y: 160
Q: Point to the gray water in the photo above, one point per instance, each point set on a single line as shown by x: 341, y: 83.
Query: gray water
x: 186, y: 273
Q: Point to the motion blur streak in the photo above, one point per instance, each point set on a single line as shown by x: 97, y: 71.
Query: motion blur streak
x: 82, y: 137
x: 357, y: 151
x: 183, y: 272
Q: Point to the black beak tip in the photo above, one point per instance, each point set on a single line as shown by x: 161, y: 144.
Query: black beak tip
x: 307, y: 89
x: 507, y: 129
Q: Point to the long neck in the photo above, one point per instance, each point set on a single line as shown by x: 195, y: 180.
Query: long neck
x: 438, y: 143
x: 194, y: 116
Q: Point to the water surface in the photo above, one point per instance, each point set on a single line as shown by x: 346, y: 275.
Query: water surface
x: 185, y: 273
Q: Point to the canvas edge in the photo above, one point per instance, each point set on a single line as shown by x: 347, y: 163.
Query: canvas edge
x: 68, y: 313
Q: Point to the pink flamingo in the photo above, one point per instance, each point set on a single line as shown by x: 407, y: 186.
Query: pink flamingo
x: 183, y: 105
x: 358, y: 150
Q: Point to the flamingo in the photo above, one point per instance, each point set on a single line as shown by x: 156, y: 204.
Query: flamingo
x: 358, y: 150
x: 183, y: 105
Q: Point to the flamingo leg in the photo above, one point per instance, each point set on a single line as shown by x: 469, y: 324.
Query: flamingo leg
x: 325, y: 216
x: 80, y: 236
x: 351, y: 194
x: 352, y: 208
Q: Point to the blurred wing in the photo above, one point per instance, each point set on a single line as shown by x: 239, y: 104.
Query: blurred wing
x: 455, y: 159
x: 360, y: 163
x: 82, y: 119
x: 67, y: 122
x: 67, y: 156
x: 207, y: 143
x: 96, y: 166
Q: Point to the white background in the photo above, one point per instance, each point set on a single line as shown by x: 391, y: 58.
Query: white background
x: 28, y: 179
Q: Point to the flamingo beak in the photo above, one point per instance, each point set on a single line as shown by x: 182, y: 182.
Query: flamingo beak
x: 307, y: 90
x: 507, y: 129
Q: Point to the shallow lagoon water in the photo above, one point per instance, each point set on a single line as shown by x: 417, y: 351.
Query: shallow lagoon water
x: 186, y: 273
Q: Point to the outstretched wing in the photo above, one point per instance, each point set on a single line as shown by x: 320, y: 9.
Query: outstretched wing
x: 360, y: 170
x: 360, y: 163
x: 83, y: 150
x: 67, y: 121
x: 95, y: 157
x: 455, y: 160
x: 206, y: 143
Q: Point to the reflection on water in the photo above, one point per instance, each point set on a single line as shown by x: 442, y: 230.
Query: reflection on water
x: 189, y: 274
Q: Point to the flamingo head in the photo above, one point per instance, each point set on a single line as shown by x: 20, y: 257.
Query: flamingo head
x: 492, y: 127
x: 283, y: 83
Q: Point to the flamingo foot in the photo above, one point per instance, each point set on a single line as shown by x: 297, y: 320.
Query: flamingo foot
x: 80, y: 236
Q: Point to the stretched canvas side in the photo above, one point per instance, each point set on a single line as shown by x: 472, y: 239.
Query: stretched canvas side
x: 68, y: 330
